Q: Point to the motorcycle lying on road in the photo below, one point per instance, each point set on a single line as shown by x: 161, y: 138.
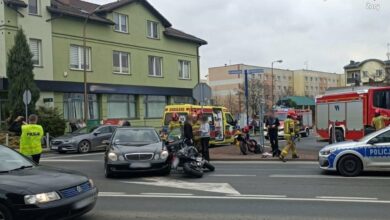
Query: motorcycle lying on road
x: 186, y: 156
x: 245, y: 143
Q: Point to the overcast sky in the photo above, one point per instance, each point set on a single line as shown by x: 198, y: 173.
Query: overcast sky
x: 325, y: 33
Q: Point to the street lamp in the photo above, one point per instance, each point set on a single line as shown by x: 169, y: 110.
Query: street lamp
x: 89, y: 14
x: 272, y: 80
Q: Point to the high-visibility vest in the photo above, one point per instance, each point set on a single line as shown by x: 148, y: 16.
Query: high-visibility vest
x: 30, y: 140
x: 378, y: 122
x: 289, y: 127
x: 173, y: 125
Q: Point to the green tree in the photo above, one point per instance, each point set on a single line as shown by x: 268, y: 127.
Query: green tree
x: 51, y: 121
x: 20, y: 76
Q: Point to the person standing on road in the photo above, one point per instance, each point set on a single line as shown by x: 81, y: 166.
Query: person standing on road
x: 378, y: 122
x: 289, y: 135
x: 272, y: 123
x: 188, y: 132
x: 30, y: 140
x: 205, y: 137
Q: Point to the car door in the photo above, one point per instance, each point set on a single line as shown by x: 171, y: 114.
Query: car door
x: 99, y: 135
x: 378, y: 150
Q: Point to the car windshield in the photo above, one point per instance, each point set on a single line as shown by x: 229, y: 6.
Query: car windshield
x: 136, y: 136
x: 11, y: 160
x: 85, y: 130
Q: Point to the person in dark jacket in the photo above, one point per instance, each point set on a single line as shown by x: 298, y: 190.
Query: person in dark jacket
x: 188, y: 132
x: 272, y: 123
x: 16, y: 126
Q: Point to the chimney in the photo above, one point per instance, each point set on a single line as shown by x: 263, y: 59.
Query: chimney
x: 351, y: 62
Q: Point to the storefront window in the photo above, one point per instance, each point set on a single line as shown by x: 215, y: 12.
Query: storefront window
x: 154, y: 106
x: 121, y: 106
x: 74, y: 106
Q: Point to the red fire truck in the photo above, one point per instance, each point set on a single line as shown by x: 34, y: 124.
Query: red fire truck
x: 306, y: 121
x: 350, y: 111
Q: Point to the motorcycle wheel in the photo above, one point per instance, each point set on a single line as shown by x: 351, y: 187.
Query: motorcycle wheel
x: 252, y: 145
x: 191, y: 171
x: 209, y: 166
x: 243, y: 148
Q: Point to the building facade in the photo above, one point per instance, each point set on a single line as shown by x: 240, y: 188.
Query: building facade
x: 368, y: 72
x: 136, y: 61
x: 228, y: 89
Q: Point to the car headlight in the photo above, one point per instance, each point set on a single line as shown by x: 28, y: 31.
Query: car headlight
x: 69, y: 141
x: 326, y: 152
x: 164, y: 155
x: 112, y: 156
x: 41, y: 198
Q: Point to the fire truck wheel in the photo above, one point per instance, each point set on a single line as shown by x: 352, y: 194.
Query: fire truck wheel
x: 339, y: 135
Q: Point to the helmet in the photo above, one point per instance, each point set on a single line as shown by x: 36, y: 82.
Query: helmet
x: 291, y: 113
x: 175, y: 116
x: 245, y: 130
x: 377, y: 111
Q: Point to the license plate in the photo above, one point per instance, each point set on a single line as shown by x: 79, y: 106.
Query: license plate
x: 140, y: 165
x: 54, y: 148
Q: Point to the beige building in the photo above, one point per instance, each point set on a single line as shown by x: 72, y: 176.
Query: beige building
x: 228, y: 89
x: 368, y: 72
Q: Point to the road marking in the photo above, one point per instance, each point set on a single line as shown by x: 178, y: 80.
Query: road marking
x: 266, y: 162
x: 112, y: 193
x: 268, y: 196
x: 349, y: 198
x: 251, y: 198
x: 326, y: 177
x: 83, y: 161
x: 169, y: 194
x: 75, y: 155
x: 232, y: 175
x: 224, y: 188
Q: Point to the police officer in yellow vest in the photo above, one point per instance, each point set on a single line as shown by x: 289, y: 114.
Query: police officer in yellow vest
x: 289, y: 135
x: 378, y: 122
x: 30, y: 140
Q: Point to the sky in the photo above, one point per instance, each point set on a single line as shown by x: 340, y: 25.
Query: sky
x: 319, y: 35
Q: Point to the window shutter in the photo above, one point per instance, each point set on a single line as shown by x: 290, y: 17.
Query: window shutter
x: 74, y: 57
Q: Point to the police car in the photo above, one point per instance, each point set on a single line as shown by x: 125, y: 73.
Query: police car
x: 372, y: 152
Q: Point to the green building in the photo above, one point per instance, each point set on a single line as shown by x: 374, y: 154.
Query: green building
x: 137, y: 62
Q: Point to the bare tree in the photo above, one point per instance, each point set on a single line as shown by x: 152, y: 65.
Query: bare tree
x: 257, y: 92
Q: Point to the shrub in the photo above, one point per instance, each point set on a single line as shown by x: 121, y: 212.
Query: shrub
x: 51, y: 121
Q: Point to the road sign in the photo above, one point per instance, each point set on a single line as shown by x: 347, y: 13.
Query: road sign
x: 253, y: 71
x: 235, y: 72
x: 202, y: 93
x: 27, y: 97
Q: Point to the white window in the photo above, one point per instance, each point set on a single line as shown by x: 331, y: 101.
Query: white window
x: 36, y: 50
x: 121, y: 61
x: 77, y: 57
x: 33, y: 7
x: 152, y: 29
x: 184, y: 69
x: 120, y: 21
x: 155, y: 66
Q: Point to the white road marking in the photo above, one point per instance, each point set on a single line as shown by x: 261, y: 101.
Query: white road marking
x: 224, y: 188
x: 232, y: 175
x: 326, y: 177
x: 251, y: 198
x: 112, y: 193
x: 169, y: 194
x: 71, y: 161
x: 349, y: 198
x: 265, y: 162
x: 75, y: 155
x: 268, y: 196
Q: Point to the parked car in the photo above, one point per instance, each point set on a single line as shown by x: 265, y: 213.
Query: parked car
x: 28, y: 191
x: 133, y: 149
x: 350, y: 158
x: 83, y: 140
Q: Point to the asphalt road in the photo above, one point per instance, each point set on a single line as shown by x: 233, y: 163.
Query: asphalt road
x: 236, y: 190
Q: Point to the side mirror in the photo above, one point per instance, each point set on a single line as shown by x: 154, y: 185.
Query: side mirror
x: 106, y: 142
x: 96, y: 133
x: 373, y: 141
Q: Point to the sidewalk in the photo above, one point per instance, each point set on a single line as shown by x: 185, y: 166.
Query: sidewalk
x: 232, y: 152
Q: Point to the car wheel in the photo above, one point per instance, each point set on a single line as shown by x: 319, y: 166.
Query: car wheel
x: 108, y: 173
x: 84, y: 147
x: 5, y: 213
x: 350, y: 165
